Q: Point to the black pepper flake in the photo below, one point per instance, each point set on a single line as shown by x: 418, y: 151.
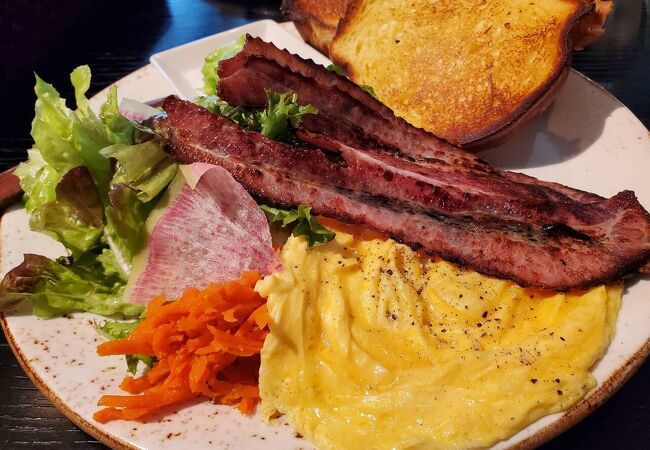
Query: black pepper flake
x: 479, y: 324
x: 444, y: 330
x: 389, y: 271
x: 562, y: 339
x: 559, y: 392
x: 397, y: 41
x: 533, y: 380
x: 557, y: 380
x: 484, y: 315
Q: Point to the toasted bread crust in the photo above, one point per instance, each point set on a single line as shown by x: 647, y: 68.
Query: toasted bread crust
x: 589, y: 28
x: 316, y: 34
x: 504, y: 133
x: 491, y: 113
x: 316, y: 21
x: 536, y: 103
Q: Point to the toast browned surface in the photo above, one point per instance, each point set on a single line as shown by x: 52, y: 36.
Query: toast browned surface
x: 589, y: 28
x: 471, y: 72
x: 316, y: 20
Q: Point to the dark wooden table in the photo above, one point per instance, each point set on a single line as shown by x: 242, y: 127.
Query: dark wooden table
x: 51, y: 37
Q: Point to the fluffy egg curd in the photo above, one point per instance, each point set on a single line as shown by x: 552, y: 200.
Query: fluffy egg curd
x: 373, y: 346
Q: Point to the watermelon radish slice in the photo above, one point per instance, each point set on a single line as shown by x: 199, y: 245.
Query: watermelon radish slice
x: 205, y: 229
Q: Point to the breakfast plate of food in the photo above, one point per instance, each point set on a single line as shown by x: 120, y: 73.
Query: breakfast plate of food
x: 286, y: 263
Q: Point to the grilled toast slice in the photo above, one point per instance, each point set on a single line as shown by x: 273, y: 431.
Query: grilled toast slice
x: 497, y: 95
x: 470, y: 72
x: 316, y: 20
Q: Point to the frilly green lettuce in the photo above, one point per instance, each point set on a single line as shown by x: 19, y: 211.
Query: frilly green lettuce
x: 211, y: 63
x: 75, y: 196
x: 302, y: 222
x: 55, y: 288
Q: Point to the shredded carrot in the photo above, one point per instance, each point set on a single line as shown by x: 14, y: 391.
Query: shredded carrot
x: 206, y: 343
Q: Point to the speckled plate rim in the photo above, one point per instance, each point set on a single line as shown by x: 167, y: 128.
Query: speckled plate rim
x: 571, y: 417
x: 105, y: 438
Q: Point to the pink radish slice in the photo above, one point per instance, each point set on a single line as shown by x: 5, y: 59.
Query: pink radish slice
x: 135, y: 110
x: 206, y: 229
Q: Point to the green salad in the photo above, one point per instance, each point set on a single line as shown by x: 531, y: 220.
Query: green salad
x: 91, y: 181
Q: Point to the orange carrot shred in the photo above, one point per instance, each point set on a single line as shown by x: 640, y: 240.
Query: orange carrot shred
x: 206, y: 343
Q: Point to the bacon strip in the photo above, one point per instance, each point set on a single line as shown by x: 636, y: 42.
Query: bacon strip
x: 531, y: 234
x: 346, y: 112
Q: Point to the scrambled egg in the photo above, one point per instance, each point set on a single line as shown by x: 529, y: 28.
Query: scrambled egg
x: 372, y: 346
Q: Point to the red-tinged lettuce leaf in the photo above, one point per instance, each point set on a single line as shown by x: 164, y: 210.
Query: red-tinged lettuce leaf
x: 75, y: 218
x: 205, y: 229
x: 55, y: 288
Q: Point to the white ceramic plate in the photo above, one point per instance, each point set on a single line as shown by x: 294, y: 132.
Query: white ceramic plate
x: 182, y: 65
x: 586, y: 139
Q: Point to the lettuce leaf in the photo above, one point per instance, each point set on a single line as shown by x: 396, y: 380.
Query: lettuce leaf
x: 144, y: 167
x: 112, y: 267
x: 56, y: 288
x: 211, y: 63
x: 244, y: 117
x: 304, y: 224
x: 38, y: 180
x: 63, y: 139
x: 88, y: 135
x: 368, y: 89
x: 125, y: 230
x: 71, y: 197
x: 282, y: 111
x: 339, y: 70
x: 75, y: 218
x: 115, y: 329
x: 118, y: 128
x: 336, y: 69
x: 275, y: 121
x: 132, y: 362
